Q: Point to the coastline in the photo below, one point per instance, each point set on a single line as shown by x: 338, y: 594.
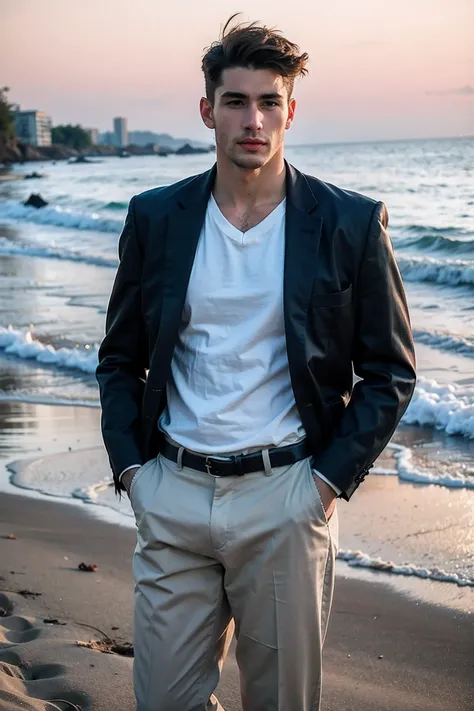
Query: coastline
x: 384, y: 652
x: 412, y: 534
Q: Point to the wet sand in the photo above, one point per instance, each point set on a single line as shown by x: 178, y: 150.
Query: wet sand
x: 384, y: 652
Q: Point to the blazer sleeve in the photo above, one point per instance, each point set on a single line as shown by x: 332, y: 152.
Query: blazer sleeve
x: 123, y: 357
x: 383, y: 357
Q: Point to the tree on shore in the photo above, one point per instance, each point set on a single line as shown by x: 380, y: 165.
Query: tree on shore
x: 7, y: 129
x: 72, y: 136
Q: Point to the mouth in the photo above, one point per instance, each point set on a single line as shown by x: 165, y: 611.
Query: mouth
x: 252, y: 144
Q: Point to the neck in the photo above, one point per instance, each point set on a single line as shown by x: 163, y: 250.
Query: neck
x: 237, y: 186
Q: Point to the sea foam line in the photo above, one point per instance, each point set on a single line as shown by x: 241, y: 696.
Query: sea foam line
x: 358, y: 559
x: 24, y: 250
x: 19, y: 396
x: 407, y: 471
x: 22, y: 343
x: 57, y: 216
x: 446, y: 342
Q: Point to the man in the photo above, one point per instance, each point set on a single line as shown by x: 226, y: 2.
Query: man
x: 249, y: 293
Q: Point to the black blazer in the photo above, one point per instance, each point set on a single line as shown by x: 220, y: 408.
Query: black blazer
x: 344, y: 310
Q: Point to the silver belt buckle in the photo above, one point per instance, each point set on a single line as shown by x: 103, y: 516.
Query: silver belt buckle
x: 208, y: 466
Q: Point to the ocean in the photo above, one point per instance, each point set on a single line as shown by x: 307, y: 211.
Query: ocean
x: 57, y: 265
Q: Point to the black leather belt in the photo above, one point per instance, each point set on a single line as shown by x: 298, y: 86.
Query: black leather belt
x: 238, y: 464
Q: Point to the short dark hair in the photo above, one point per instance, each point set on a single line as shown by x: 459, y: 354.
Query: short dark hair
x: 256, y: 47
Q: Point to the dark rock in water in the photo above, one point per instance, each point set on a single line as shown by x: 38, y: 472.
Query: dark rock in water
x: 80, y: 159
x: 188, y: 150
x: 34, y: 174
x: 35, y: 200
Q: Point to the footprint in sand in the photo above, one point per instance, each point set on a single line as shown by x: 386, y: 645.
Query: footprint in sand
x: 28, y: 687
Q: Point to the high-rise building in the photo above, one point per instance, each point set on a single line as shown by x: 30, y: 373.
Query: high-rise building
x: 93, y: 135
x: 33, y: 127
x: 121, y: 132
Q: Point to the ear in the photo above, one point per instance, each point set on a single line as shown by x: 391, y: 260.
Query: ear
x: 205, y: 110
x: 291, y: 113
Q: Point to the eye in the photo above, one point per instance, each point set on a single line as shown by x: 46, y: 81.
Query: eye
x: 234, y: 102
x: 271, y: 103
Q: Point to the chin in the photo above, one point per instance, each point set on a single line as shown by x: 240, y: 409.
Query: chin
x: 249, y: 162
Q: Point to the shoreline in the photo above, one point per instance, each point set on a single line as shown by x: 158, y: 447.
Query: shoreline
x: 394, y: 530
x: 421, y: 654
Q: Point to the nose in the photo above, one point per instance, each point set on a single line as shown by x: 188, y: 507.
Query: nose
x: 253, y: 119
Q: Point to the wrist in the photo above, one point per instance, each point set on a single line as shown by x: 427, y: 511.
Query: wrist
x: 128, y: 477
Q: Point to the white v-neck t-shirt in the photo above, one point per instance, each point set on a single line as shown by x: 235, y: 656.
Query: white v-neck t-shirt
x: 230, y: 388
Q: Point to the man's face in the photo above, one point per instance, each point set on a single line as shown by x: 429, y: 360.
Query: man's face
x: 250, y: 115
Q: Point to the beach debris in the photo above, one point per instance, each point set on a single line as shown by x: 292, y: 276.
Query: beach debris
x: 108, y: 646
x: 65, y: 705
x: 28, y: 593
x: 115, y: 628
x: 380, y: 656
x: 35, y: 200
x: 87, y: 567
x: 10, y: 537
x: 53, y: 621
x: 33, y: 175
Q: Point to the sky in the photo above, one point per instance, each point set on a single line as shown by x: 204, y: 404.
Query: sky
x: 378, y: 70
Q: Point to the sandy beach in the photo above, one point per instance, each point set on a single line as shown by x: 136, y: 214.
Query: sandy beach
x: 384, y: 652
x: 395, y: 643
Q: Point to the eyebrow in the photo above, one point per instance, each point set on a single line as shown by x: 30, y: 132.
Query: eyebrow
x: 239, y: 95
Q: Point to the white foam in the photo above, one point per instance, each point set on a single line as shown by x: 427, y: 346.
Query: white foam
x: 446, y: 342
x: 407, y: 471
x: 363, y: 560
x: 19, y: 396
x: 22, y: 343
x: 450, y: 271
x: 24, y: 250
x: 447, y: 407
x: 57, y: 216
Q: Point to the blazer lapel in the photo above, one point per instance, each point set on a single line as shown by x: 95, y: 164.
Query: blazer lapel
x: 302, y: 238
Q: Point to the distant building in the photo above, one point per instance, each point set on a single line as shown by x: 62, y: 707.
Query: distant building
x: 107, y: 138
x: 93, y: 135
x: 121, y: 132
x: 33, y: 127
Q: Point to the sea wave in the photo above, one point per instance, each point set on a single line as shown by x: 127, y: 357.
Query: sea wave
x: 448, y: 407
x: 446, y: 342
x: 114, y: 205
x: 57, y: 216
x: 23, y: 344
x: 28, y: 250
x: 432, y: 230
x: 454, y: 272
x: 438, y: 243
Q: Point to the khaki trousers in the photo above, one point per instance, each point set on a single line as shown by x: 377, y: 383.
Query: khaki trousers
x: 255, y: 551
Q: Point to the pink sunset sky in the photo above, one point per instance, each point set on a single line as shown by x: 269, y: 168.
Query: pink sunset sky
x: 378, y: 69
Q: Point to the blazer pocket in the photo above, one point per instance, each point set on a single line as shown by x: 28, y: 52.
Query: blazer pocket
x: 338, y: 298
